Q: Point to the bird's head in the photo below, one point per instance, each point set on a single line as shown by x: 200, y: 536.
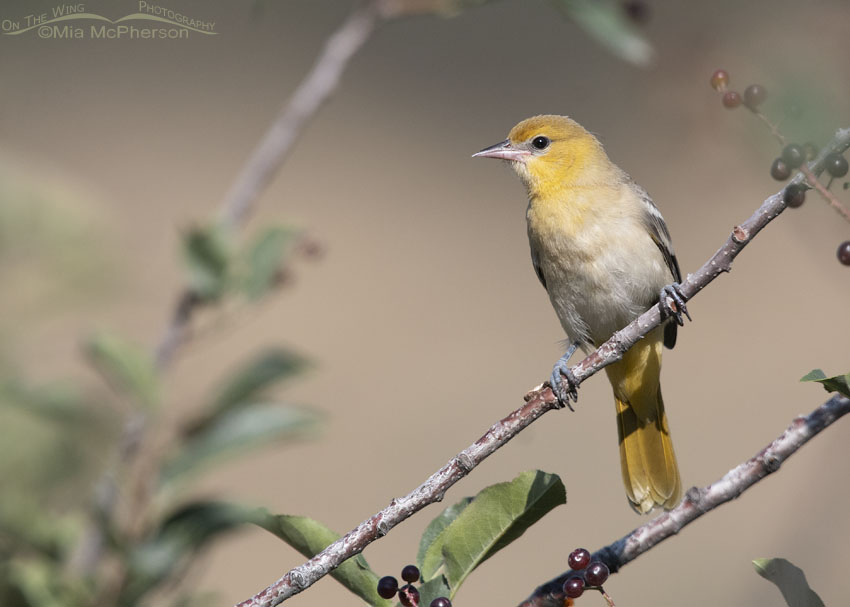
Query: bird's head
x: 550, y: 152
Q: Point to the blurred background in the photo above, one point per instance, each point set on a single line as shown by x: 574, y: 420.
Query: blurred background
x: 422, y: 320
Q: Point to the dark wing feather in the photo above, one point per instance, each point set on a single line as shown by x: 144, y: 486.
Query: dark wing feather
x: 661, y: 237
x: 535, y: 262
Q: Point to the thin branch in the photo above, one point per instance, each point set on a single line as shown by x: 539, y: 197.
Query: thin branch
x: 827, y: 195
x: 270, y: 153
x: 538, y: 401
x: 240, y: 200
x: 698, y: 502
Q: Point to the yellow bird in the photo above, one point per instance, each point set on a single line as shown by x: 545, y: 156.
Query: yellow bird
x: 603, y: 253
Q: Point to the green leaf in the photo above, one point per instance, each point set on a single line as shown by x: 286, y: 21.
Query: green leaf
x: 790, y: 580
x: 837, y: 383
x: 433, y: 588
x: 496, y: 516
x: 206, y: 254
x: 125, y: 366
x: 606, y: 22
x: 309, y: 537
x: 264, y: 258
x: 56, y: 402
x: 246, y: 384
x: 237, y: 431
x: 430, y: 555
x: 183, y: 533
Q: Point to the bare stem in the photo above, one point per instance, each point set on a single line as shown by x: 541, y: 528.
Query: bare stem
x: 538, y: 401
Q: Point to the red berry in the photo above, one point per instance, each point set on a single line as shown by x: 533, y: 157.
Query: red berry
x: 754, y: 96
x: 573, y: 587
x: 408, y: 596
x: 578, y: 559
x: 441, y: 601
x: 844, y: 252
x: 719, y: 80
x: 387, y: 587
x: 795, y: 195
x: 836, y: 164
x: 793, y: 155
x: 731, y: 99
x: 779, y: 170
x: 410, y: 574
x: 597, y: 573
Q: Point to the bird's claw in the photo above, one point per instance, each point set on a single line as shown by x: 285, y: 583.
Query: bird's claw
x: 673, y: 292
x: 563, y: 382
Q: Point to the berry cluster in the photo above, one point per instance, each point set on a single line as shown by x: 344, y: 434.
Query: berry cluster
x: 754, y: 95
x: 793, y: 155
x: 591, y: 573
x: 408, y: 595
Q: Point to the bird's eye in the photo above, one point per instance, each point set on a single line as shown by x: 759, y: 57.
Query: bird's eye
x: 540, y: 142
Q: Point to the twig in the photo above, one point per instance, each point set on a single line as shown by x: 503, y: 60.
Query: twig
x: 827, y: 195
x: 538, y: 401
x: 700, y: 501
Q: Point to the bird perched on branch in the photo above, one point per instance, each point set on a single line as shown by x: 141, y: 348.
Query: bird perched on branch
x: 603, y: 253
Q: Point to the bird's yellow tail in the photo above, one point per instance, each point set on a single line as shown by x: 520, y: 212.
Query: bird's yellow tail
x: 650, y: 472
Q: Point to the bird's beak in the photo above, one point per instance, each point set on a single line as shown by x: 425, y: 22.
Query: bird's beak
x: 503, y: 150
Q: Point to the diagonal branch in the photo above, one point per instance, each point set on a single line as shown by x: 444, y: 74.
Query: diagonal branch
x: 700, y: 501
x: 538, y: 401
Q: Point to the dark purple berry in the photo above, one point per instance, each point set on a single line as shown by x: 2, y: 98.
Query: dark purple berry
x: 410, y: 574
x: 754, y: 96
x: 387, y: 587
x: 779, y: 170
x: 441, y: 601
x: 731, y: 99
x: 811, y: 150
x: 573, y: 587
x: 408, y: 596
x: 719, y: 80
x: 795, y: 195
x: 793, y: 155
x: 836, y: 164
x: 578, y: 559
x: 597, y: 573
x: 844, y: 253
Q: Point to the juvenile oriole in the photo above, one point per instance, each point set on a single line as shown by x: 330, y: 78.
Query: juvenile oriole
x: 603, y: 253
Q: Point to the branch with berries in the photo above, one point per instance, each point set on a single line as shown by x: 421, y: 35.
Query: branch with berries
x: 538, y: 401
x: 697, y: 502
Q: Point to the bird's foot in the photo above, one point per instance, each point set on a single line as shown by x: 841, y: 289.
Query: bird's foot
x: 672, y: 303
x: 563, y: 382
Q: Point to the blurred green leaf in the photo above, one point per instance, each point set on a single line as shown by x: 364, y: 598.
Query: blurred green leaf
x: 430, y: 562
x: 237, y: 431
x: 41, y: 583
x: 264, y: 259
x: 206, y: 253
x: 837, y: 383
x: 245, y: 385
x: 56, y: 402
x: 790, y: 580
x: 496, y: 516
x: 309, y: 537
x: 182, y: 534
x: 125, y: 366
x: 606, y: 22
x: 26, y: 526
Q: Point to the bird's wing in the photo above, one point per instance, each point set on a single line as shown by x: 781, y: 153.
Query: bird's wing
x: 535, y: 261
x: 658, y: 231
x: 661, y: 237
